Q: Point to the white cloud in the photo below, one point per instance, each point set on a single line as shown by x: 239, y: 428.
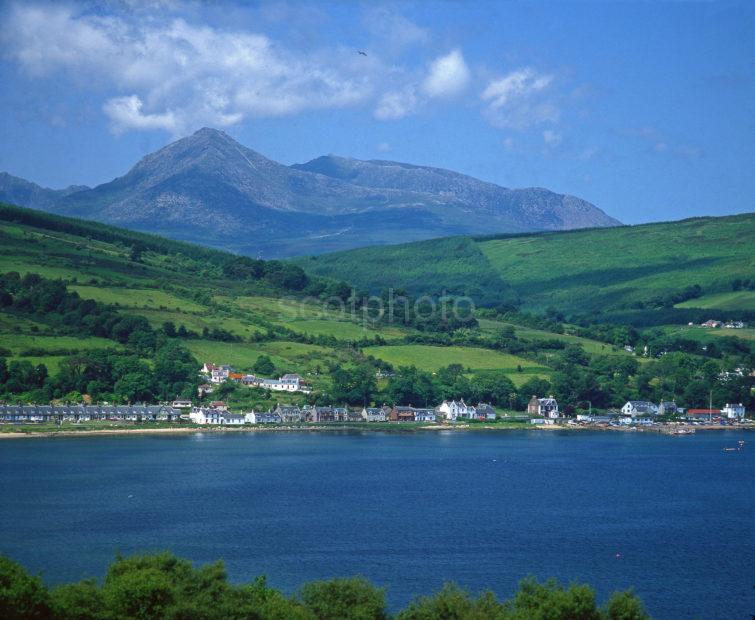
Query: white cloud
x: 519, y: 100
x: 384, y: 147
x: 448, y: 76
x: 173, y: 75
x: 395, y: 105
x: 126, y: 112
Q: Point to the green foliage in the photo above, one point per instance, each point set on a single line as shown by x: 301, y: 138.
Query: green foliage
x: 264, y: 365
x: 355, y: 385
x: 550, y: 601
x: 453, y: 603
x: 22, y: 597
x: 78, y: 601
x: 345, y: 599
x: 625, y: 606
x: 164, y: 587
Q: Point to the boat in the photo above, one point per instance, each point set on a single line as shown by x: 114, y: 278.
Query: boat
x: 730, y: 449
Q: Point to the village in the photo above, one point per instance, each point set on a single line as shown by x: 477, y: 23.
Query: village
x: 541, y: 412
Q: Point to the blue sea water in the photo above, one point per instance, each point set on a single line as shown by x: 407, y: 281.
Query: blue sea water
x: 409, y: 511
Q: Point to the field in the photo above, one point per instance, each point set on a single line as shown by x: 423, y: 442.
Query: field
x: 734, y: 300
x: 585, y: 271
x: 314, y: 318
x: 703, y: 334
x: 593, y: 347
x: 431, y: 358
x: 138, y: 298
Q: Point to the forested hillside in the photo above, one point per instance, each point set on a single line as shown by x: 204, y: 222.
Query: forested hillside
x: 92, y: 312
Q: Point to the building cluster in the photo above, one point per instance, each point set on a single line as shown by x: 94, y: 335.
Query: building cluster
x: 88, y: 413
x: 543, y: 411
x: 712, y: 323
x: 449, y: 411
x: 642, y: 412
x: 219, y: 374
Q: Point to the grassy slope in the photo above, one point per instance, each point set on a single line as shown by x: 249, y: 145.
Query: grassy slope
x: 577, y: 271
x: 733, y: 300
x: 593, y: 269
x: 455, y: 265
x: 162, y: 290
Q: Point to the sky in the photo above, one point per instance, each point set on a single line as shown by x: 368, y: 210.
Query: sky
x: 646, y: 109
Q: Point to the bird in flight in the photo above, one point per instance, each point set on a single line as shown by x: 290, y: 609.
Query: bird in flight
x: 362, y: 53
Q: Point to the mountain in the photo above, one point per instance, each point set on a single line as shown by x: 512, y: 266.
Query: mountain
x: 645, y: 274
x: 209, y: 188
x: 515, y: 210
x: 21, y: 192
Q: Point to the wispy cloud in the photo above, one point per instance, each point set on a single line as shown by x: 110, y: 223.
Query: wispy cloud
x: 174, y: 75
x: 395, y: 105
x: 520, y: 99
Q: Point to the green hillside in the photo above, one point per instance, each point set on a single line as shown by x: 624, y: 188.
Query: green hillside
x: 92, y: 311
x: 615, y: 273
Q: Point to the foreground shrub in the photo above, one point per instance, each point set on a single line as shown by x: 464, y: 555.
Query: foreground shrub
x: 164, y: 587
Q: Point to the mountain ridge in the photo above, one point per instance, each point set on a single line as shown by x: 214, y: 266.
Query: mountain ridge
x: 208, y: 188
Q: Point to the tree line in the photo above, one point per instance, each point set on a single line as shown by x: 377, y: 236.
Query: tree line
x: 164, y: 587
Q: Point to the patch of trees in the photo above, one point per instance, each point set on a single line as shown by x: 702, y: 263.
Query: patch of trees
x: 277, y: 273
x: 609, y: 381
x: 106, y: 375
x: 51, y: 302
x: 663, y: 316
x: 671, y: 298
x: 157, y: 587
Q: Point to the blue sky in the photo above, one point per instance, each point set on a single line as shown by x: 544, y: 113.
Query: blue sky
x: 645, y: 109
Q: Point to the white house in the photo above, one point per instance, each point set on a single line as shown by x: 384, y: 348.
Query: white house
x: 639, y: 407
x: 286, y: 383
x: 454, y: 410
x: 219, y: 374
x: 262, y: 417
x: 202, y: 415
x: 375, y: 414
x: 424, y: 415
x: 205, y: 416
x: 232, y: 419
x: 733, y: 411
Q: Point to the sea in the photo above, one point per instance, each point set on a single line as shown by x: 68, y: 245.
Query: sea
x: 671, y: 516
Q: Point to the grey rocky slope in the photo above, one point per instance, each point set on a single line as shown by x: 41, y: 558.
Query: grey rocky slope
x: 210, y: 189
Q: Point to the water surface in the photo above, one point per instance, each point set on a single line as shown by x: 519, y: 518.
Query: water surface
x: 409, y: 511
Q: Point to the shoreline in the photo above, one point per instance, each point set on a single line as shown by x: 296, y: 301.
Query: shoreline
x: 398, y: 429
